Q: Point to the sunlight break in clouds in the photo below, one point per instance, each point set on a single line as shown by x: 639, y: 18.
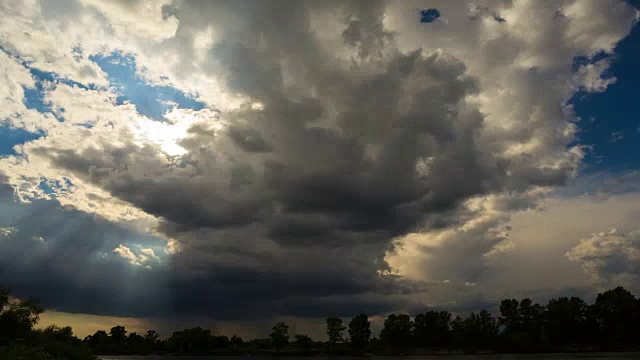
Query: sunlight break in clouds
x: 256, y: 140
x: 169, y: 136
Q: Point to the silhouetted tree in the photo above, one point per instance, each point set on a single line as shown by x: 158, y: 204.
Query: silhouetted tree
x: 523, y: 323
x: 304, y: 344
x: 190, y: 341
x: 612, y: 322
x: 458, y: 331
x: 279, y: 336
x: 532, y: 316
x: 567, y: 321
x: 359, y: 332
x: 17, y: 318
x: 99, y: 342
x: 375, y: 345
x: 618, y: 315
x: 19, y: 339
x: 152, y: 341
x: 432, y: 329
x: 236, y: 342
x: 397, y: 331
x: 510, y: 318
x: 258, y: 344
x: 481, y: 329
x: 152, y: 336
x: 334, y: 331
x: 118, y: 338
x: 136, y: 344
x: 60, y: 343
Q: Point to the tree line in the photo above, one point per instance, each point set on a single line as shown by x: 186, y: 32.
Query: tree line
x: 611, y: 323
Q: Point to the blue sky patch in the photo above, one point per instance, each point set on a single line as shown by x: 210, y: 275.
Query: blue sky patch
x: 609, y: 120
x: 56, y: 187
x: 150, y: 100
x: 34, y: 98
x: 429, y: 15
x: 46, y: 81
x: 44, y: 186
x: 10, y: 137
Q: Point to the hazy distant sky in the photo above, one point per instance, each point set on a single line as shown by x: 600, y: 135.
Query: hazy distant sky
x: 231, y: 163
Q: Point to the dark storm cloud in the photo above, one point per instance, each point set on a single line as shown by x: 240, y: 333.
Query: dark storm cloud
x: 298, y: 199
x: 306, y: 201
x: 249, y: 139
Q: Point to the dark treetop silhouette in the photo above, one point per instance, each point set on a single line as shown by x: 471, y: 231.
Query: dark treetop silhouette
x: 565, y: 324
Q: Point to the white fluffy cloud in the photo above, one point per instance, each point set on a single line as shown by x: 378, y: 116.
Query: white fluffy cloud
x: 142, y: 259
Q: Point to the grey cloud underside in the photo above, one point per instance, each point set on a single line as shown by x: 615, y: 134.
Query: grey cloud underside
x: 65, y: 267
x: 297, y: 202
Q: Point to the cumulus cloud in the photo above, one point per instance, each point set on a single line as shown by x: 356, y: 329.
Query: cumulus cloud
x: 150, y: 253
x: 126, y: 253
x: 140, y: 259
x: 359, y: 158
x: 610, y: 258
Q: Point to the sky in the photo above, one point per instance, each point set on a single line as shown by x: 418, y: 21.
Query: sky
x: 166, y: 164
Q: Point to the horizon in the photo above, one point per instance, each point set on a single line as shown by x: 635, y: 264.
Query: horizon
x: 231, y: 164
x: 376, y: 323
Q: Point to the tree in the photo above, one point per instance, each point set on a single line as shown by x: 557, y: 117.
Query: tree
x: 259, y: 344
x: 510, y: 317
x: 458, y: 332
x: 17, y: 318
x: 190, y: 341
x: 477, y: 331
x: 481, y: 329
x: 532, y: 319
x: 279, y: 335
x: 60, y: 343
x: 137, y: 344
x: 523, y: 322
x: 220, y: 342
x: 152, y: 336
x: 98, y: 342
x: 118, y: 335
x: 19, y: 339
x: 397, y: 331
x: 236, y: 342
x: 566, y: 321
x: 618, y: 315
x: 151, y: 341
x: 334, y: 330
x: 304, y: 344
x: 359, y: 332
x: 432, y: 329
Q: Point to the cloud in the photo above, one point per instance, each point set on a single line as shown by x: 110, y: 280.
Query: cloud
x: 126, y: 253
x: 610, y: 258
x: 150, y: 253
x: 589, y: 76
x: 7, y: 231
x: 138, y: 260
x: 45, y: 45
x: 617, y: 136
x: 359, y: 158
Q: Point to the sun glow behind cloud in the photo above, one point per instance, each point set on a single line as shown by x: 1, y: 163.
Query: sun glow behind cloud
x: 168, y: 135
